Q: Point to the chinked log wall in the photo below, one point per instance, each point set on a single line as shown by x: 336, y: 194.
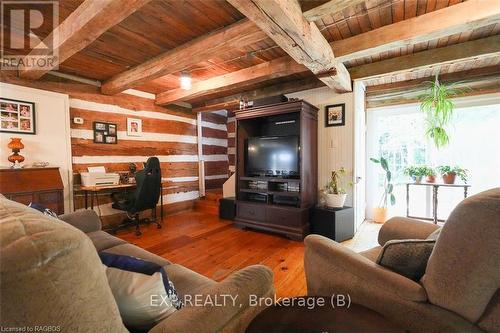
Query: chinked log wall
x: 167, y: 134
x: 231, y: 141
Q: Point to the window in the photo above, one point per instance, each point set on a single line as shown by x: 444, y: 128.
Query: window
x: 397, y: 133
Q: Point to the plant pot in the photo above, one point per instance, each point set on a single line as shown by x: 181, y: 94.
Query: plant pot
x: 449, y: 178
x: 335, y: 200
x: 380, y: 214
x: 417, y: 179
x: 430, y: 179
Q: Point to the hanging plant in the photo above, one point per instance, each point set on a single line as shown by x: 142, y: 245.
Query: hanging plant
x: 438, y: 107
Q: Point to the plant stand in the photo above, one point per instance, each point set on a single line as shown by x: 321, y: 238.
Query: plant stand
x: 435, y: 189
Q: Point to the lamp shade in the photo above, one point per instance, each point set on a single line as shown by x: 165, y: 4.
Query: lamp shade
x: 15, y: 143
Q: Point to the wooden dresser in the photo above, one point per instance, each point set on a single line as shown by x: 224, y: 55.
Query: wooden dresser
x: 39, y: 185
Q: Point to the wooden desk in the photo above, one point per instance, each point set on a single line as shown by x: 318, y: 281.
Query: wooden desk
x: 37, y: 185
x: 435, y: 188
x: 94, y: 190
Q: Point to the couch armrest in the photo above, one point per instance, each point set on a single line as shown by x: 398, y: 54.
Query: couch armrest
x: 342, y: 270
x: 253, y: 280
x: 86, y: 220
x: 405, y: 228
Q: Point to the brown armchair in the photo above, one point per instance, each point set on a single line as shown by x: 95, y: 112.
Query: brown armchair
x: 459, y: 291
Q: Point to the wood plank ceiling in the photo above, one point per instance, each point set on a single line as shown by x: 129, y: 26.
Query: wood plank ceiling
x: 163, y: 25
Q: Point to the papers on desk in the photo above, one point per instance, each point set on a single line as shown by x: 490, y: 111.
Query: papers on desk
x: 97, y: 169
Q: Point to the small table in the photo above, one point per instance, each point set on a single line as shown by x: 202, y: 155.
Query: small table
x: 435, y: 188
x: 307, y: 315
x: 94, y: 190
x: 334, y: 223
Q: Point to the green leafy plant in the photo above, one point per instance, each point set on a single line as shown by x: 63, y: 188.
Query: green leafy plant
x: 415, y: 171
x: 334, y: 186
x: 428, y: 171
x: 388, y: 186
x: 438, y: 107
x: 446, y: 169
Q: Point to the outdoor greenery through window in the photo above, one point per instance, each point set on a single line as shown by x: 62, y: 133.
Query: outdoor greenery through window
x: 398, y: 134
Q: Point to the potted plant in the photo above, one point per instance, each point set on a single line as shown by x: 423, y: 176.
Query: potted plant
x: 415, y: 172
x: 449, y: 174
x: 334, y: 193
x: 380, y: 212
x: 438, y: 107
x: 430, y: 174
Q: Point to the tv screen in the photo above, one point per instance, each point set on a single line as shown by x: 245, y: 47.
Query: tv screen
x: 272, y: 156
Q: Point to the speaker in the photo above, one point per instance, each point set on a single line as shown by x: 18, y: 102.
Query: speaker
x: 227, y: 208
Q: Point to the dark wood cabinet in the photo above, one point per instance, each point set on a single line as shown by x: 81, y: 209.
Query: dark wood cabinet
x: 278, y: 204
x: 38, y: 185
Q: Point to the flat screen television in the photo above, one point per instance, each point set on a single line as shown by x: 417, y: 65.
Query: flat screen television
x: 272, y: 156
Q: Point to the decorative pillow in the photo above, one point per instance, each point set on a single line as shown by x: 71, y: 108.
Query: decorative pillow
x: 407, y: 257
x: 142, y: 290
x: 43, y: 209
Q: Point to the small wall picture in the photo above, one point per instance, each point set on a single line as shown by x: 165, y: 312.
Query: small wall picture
x: 134, y: 127
x: 335, y: 115
x: 105, y: 133
x: 17, y: 116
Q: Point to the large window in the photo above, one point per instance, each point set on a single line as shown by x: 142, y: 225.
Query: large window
x: 397, y: 133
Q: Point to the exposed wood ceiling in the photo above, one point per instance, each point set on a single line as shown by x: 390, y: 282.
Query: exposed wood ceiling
x: 163, y: 26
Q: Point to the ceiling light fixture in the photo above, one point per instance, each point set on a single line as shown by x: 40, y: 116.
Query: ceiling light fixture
x: 185, y: 81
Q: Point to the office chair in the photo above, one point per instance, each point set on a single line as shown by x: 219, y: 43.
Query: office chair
x: 145, y: 196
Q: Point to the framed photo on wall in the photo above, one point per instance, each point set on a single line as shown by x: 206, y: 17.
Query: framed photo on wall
x: 17, y: 116
x: 335, y: 115
x: 105, y: 133
x: 134, y: 127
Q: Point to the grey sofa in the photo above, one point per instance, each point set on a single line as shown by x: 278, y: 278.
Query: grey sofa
x: 459, y: 291
x: 51, y: 275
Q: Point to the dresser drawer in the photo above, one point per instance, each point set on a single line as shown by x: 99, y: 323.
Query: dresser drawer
x: 252, y: 212
x: 284, y: 217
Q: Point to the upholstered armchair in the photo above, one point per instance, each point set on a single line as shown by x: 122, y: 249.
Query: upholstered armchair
x: 459, y: 291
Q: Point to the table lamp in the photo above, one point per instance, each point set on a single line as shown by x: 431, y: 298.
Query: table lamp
x: 16, y: 145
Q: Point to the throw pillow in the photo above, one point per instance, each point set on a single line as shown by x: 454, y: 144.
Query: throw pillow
x: 406, y: 257
x: 142, y: 290
x: 43, y: 209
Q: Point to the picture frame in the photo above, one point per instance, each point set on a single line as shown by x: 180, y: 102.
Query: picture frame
x: 335, y: 115
x: 134, y: 127
x: 105, y: 133
x: 17, y: 116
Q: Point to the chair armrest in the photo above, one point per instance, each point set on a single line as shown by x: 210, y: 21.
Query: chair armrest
x: 253, y: 280
x: 405, y: 228
x: 344, y: 270
x: 86, y: 220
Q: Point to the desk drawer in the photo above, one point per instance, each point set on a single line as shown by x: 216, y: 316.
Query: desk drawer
x: 252, y: 212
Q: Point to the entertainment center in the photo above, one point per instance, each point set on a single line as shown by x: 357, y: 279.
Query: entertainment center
x: 276, y: 167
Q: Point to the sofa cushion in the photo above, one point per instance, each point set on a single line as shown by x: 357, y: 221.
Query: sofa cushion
x: 142, y: 290
x: 372, y: 253
x: 51, y: 275
x: 407, y: 257
x: 102, y: 240
x: 135, y: 251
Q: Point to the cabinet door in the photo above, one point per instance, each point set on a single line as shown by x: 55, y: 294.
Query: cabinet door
x: 24, y: 198
x: 286, y: 217
x: 252, y: 212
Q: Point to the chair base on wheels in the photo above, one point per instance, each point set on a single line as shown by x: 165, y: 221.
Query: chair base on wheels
x: 134, y: 220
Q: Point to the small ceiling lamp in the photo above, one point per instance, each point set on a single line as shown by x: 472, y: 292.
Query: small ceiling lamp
x: 185, y: 81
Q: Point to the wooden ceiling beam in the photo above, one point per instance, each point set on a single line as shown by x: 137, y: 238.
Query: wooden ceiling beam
x: 484, y: 47
x: 273, y: 69
x: 284, y: 22
x: 232, y: 102
x: 200, y: 49
x: 84, y: 25
x: 330, y: 7
x: 465, y: 16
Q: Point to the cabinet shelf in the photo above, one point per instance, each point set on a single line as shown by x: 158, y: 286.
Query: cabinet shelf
x: 272, y: 179
x: 264, y: 191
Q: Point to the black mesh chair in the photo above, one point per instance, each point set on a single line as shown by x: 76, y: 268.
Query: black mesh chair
x: 146, y: 196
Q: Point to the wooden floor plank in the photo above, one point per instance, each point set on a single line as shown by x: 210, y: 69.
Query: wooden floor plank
x: 215, y: 248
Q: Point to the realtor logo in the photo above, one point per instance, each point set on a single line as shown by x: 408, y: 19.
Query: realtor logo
x: 27, y: 35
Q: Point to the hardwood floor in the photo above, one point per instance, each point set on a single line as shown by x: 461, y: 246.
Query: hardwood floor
x: 215, y: 248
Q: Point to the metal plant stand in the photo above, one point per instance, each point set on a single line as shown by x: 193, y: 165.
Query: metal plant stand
x: 435, y: 189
